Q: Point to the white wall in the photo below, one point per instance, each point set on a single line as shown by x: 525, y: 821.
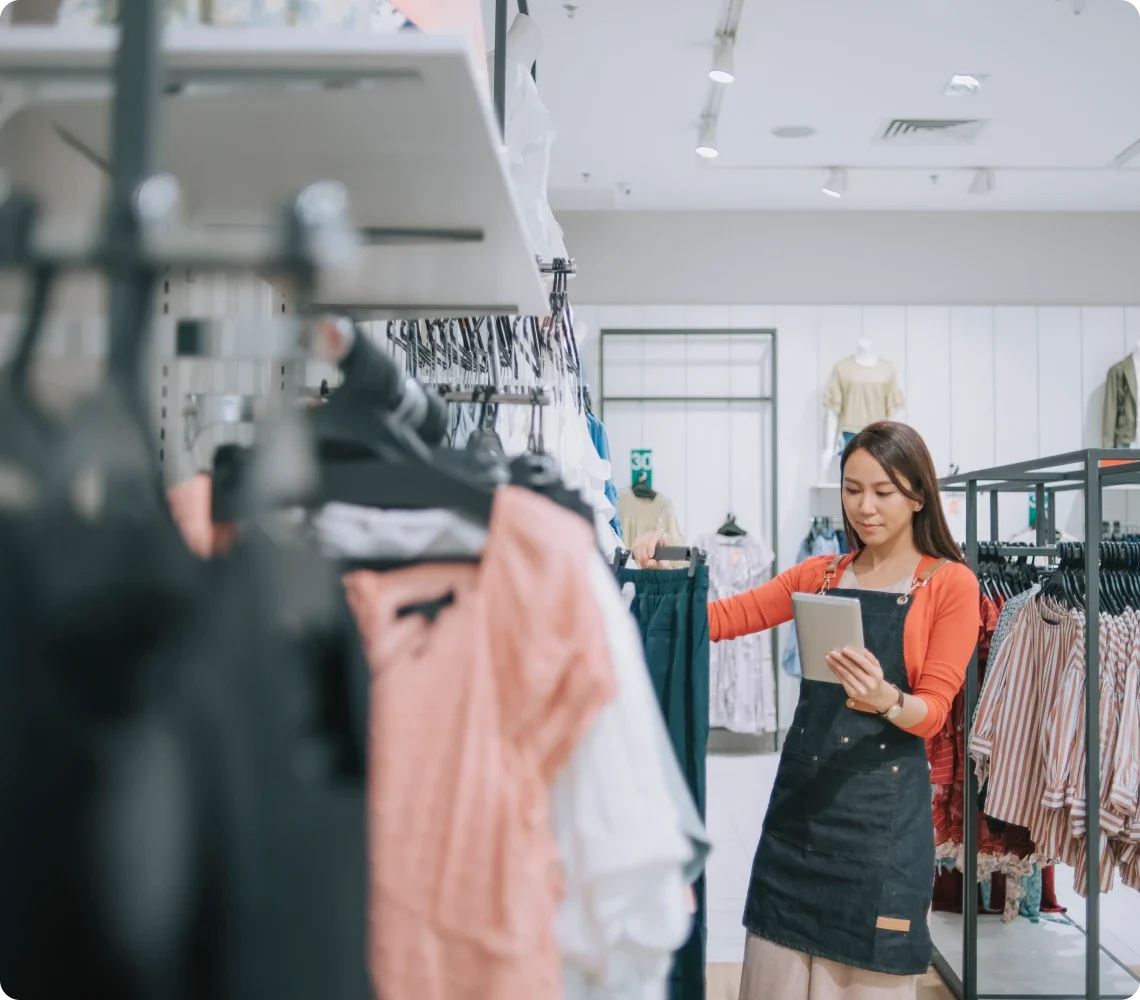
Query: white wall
x: 985, y: 385
x: 839, y: 257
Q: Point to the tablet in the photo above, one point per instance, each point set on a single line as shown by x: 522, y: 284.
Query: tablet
x: 825, y: 623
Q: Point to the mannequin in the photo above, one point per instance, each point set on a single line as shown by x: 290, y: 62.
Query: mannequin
x: 864, y: 357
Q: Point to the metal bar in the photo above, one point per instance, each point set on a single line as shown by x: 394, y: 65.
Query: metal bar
x: 1092, y: 725
x: 1026, y: 550
x: 1051, y: 515
x: 691, y: 399
x: 1036, y: 465
x: 774, y: 388
x: 1039, y: 500
x: 995, y: 535
x: 134, y: 137
x: 1024, y: 486
x: 970, y: 815
x: 501, y: 66
x: 541, y: 398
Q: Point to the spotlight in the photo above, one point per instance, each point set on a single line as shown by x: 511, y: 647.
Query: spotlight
x: 706, y: 140
x: 983, y: 182
x: 722, y: 69
x: 836, y: 184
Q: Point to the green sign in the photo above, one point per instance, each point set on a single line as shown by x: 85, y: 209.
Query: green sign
x: 1033, y: 509
x: 641, y: 466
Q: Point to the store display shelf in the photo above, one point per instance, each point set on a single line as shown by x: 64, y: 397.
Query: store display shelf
x: 253, y: 116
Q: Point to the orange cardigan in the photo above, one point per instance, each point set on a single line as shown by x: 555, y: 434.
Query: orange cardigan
x: 939, y: 637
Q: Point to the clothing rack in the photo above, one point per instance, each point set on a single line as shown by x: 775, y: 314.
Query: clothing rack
x: 667, y: 553
x: 1083, y: 472
x: 538, y: 396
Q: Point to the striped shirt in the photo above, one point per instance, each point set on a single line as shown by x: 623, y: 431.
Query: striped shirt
x: 1029, y: 737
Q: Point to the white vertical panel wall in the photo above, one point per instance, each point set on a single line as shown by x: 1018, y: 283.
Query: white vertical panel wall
x: 984, y: 385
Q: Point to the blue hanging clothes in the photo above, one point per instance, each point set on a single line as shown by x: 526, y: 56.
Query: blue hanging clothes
x: 819, y: 542
x: 602, y: 447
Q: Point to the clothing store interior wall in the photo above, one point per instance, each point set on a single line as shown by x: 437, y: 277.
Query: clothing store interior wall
x: 944, y: 193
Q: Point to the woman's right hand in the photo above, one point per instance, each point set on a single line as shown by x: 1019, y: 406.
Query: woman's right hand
x: 644, y: 548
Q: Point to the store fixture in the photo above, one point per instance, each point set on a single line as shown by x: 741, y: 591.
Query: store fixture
x: 760, y: 396
x: 250, y: 117
x: 1084, y: 473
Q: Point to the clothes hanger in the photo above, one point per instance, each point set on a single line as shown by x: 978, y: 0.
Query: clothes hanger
x: 642, y: 490
x: 730, y: 529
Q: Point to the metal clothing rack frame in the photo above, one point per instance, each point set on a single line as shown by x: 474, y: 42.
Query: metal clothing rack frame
x: 769, y: 398
x: 1083, y: 472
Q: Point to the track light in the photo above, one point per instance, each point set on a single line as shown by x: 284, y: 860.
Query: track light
x: 836, y: 184
x: 722, y: 67
x: 706, y: 140
x: 983, y: 182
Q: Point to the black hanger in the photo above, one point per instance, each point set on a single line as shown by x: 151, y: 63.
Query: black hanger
x: 404, y: 474
x: 641, y: 488
x: 730, y: 529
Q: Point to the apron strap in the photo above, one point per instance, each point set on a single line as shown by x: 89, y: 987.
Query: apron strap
x: 922, y: 579
x: 829, y: 574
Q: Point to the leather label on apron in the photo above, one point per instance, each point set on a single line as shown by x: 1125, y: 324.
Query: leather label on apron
x: 891, y: 924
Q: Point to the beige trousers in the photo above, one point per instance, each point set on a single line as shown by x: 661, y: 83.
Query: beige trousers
x: 775, y: 973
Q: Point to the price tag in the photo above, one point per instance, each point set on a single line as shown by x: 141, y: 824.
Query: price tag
x: 641, y: 466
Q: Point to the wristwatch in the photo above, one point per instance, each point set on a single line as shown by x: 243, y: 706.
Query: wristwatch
x: 892, y: 713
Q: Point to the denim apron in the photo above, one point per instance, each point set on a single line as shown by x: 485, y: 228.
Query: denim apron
x: 845, y: 866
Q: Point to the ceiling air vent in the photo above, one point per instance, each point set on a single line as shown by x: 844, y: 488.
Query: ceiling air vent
x: 932, y: 131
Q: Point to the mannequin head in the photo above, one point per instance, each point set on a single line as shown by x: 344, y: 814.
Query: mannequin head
x: 890, y: 487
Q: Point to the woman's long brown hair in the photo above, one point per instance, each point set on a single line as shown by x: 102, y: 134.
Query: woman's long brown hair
x: 903, y: 454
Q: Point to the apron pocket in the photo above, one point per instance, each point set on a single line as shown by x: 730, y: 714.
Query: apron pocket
x: 833, y: 810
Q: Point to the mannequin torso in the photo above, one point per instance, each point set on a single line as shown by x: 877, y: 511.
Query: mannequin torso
x: 1136, y: 368
x: 865, y: 357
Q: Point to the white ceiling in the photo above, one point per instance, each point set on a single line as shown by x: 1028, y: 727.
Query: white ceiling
x: 626, y: 81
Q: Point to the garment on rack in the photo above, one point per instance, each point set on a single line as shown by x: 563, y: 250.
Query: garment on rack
x: 671, y: 608
x: 640, y: 516
x: 629, y: 833
x: 602, y: 446
x: 742, y: 684
x: 475, y: 710
x: 820, y: 541
x: 1031, y: 758
x: 1007, y: 851
x: 862, y: 394
x: 1120, y: 396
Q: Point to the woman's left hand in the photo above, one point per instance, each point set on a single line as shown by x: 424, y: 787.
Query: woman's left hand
x: 862, y: 677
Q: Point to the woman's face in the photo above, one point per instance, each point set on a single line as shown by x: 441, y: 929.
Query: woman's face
x: 876, y: 508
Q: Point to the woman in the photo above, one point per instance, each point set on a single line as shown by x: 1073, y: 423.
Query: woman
x: 843, y: 875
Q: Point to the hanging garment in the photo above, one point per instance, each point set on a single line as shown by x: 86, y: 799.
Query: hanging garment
x: 640, y: 516
x: 817, y: 543
x: 624, y: 821
x: 1118, y: 428
x: 485, y: 679
x: 862, y: 394
x: 843, y: 868
x: 671, y: 608
x: 1030, y: 758
x: 602, y: 446
x: 742, y: 684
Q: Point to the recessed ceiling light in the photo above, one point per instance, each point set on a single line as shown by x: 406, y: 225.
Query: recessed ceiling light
x: 706, y: 140
x: 836, y: 184
x: 793, y: 132
x: 964, y: 84
x: 722, y: 68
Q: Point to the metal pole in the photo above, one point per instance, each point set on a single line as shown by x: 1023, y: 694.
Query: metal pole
x: 970, y: 813
x: 994, y: 514
x: 1092, y: 725
x: 1051, y: 516
x: 134, y: 137
x: 774, y: 479
x: 501, y: 66
x: 1042, y: 526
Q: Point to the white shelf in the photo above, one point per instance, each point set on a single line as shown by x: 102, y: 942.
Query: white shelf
x: 400, y: 120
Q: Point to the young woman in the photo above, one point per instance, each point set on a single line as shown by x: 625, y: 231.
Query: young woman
x: 843, y: 876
